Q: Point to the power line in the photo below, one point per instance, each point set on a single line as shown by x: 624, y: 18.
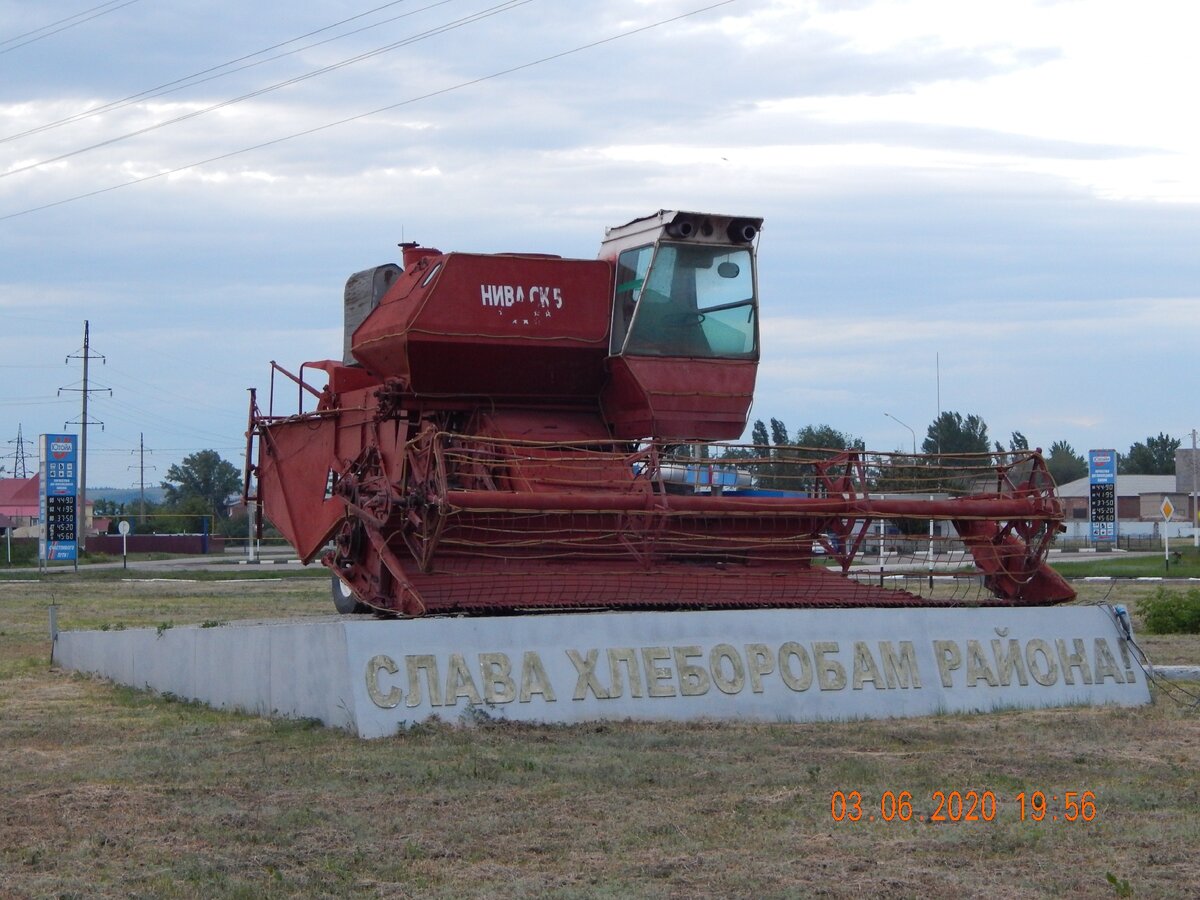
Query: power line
x: 161, y: 394
x: 319, y: 128
x: 506, y: 6
x: 196, y: 78
x: 68, y: 22
x: 33, y: 402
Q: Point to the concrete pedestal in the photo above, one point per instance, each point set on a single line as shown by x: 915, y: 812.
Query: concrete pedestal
x: 373, y: 677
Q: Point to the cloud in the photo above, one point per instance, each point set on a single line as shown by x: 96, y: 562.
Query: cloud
x: 960, y: 197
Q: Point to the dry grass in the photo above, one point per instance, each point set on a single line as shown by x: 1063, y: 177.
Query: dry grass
x: 112, y: 792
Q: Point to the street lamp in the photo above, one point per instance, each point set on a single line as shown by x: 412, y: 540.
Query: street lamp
x: 913, y: 433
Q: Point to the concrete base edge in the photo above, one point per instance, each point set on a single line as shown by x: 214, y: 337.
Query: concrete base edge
x: 1177, y: 673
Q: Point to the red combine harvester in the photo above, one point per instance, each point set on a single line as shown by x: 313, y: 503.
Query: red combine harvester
x: 517, y: 432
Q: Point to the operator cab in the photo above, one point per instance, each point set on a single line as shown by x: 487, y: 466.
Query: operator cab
x: 683, y: 345
x: 688, y: 289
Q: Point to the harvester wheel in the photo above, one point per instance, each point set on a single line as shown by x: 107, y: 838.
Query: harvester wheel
x: 345, y: 600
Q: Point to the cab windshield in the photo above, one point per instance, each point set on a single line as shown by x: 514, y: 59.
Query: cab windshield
x: 689, y: 300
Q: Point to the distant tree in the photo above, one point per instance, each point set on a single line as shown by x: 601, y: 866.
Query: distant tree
x: 141, y: 510
x: 1154, y: 457
x: 787, y: 470
x: 827, y: 436
x: 201, y: 484
x: 779, y: 433
x: 780, y: 475
x: 951, y: 433
x: 1065, y: 464
x: 735, y: 453
x: 1016, y: 443
x: 759, y: 433
x: 185, y: 517
x: 237, y: 524
x: 105, y: 507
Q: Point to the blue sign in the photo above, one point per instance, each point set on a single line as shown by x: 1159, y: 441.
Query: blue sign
x: 59, y: 497
x: 1102, y: 494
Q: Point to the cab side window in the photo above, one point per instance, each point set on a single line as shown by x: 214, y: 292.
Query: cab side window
x: 632, y: 266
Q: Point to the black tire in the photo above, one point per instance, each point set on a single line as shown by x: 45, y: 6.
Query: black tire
x: 345, y: 600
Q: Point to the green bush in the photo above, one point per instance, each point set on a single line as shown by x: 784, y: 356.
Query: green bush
x: 1168, y: 612
x: 24, y: 551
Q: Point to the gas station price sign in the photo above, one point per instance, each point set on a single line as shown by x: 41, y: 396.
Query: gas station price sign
x: 59, y: 496
x: 1102, y: 494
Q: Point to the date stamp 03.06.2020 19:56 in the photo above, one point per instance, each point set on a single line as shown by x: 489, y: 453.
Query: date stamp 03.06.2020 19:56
x: 961, y: 807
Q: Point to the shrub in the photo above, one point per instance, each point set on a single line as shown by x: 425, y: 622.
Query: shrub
x: 1168, y: 612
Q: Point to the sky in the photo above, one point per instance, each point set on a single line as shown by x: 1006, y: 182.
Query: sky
x: 989, y: 208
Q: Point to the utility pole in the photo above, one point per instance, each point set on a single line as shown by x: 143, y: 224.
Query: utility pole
x: 1195, y: 493
x: 86, y: 355
x: 937, y: 362
x: 142, y: 477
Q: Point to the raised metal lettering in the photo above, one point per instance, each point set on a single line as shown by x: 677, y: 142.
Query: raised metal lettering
x: 414, y: 665
x: 900, y: 670
x: 977, y: 666
x: 656, y: 675
x: 759, y: 662
x: 459, y: 682
x: 720, y: 654
x: 394, y: 695
x: 1105, y: 664
x: 864, y: 668
x: 534, y: 679
x: 1047, y: 673
x: 1076, y: 660
x: 587, y: 680
x: 1008, y: 660
x: 948, y: 659
x: 804, y: 680
x: 693, y: 679
x: 626, y: 656
x: 496, y: 674
x: 831, y: 674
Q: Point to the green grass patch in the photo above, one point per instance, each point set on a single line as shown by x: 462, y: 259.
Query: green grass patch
x: 1171, y: 612
x: 1121, y: 565
x: 109, y: 791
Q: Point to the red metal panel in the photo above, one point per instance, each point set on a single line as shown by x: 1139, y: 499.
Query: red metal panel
x: 342, y: 377
x: 544, y: 425
x: 518, y: 299
x: 678, y: 399
x: 444, y: 365
x: 293, y: 472
x: 493, y: 326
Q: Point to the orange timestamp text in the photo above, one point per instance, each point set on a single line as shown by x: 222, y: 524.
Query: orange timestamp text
x: 962, y: 806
